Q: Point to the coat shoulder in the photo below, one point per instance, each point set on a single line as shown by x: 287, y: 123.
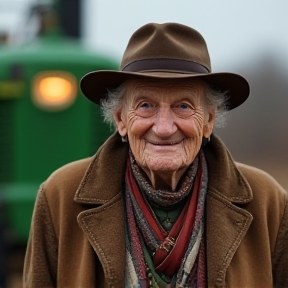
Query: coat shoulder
x: 265, y: 189
x: 259, y: 178
x: 67, y: 177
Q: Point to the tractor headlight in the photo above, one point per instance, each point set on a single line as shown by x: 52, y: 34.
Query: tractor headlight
x: 54, y: 90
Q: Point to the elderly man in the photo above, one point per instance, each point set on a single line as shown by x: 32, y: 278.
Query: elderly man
x: 162, y: 203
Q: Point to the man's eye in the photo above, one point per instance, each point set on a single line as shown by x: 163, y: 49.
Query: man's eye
x: 184, y: 110
x: 145, y: 109
x: 145, y: 105
x: 184, y: 106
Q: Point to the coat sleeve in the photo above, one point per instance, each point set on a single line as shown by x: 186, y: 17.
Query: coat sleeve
x: 40, y: 266
x: 280, y: 253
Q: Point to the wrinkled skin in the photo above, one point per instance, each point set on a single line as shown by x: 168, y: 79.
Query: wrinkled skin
x: 165, y: 122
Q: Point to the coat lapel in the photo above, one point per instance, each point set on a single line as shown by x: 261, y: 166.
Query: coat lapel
x: 226, y: 222
x: 226, y: 225
x: 104, y: 223
x: 105, y: 229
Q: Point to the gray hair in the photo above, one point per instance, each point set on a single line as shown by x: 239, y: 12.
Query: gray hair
x: 215, y: 98
x: 219, y: 101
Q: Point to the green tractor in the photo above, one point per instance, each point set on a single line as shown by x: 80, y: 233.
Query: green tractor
x: 45, y: 122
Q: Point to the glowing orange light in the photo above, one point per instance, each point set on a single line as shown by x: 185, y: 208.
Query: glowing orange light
x: 54, y: 91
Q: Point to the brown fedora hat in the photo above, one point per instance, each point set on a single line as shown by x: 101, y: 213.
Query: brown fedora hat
x: 165, y: 51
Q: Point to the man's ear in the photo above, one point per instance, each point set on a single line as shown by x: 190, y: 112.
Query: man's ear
x: 209, y: 123
x: 120, y: 122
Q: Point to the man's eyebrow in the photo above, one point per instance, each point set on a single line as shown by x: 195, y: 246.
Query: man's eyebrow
x: 143, y: 94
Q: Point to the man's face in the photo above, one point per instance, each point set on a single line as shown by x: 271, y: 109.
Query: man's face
x: 165, y: 122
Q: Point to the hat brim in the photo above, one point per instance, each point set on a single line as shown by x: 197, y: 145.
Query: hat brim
x: 95, y: 85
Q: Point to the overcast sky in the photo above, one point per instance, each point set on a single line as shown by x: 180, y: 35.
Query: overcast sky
x: 234, y: 30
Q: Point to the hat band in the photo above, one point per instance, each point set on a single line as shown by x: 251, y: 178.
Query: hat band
x: 165, y: 64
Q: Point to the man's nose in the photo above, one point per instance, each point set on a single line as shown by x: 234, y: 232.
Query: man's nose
x: 164, y: 125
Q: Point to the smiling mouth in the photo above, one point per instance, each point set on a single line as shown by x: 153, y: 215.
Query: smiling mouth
x: 164, y: 143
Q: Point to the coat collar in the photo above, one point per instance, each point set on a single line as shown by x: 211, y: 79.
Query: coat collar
x: 225, y: 178
x: 105, y: 174
x: 226, y: 222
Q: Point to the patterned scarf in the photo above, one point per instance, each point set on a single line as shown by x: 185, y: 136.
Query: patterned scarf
x: 179, y: 253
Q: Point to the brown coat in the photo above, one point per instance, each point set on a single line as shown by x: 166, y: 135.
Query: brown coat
x: 77, y: 235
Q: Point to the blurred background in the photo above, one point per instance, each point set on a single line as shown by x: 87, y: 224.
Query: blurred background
x: 48, y: 44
